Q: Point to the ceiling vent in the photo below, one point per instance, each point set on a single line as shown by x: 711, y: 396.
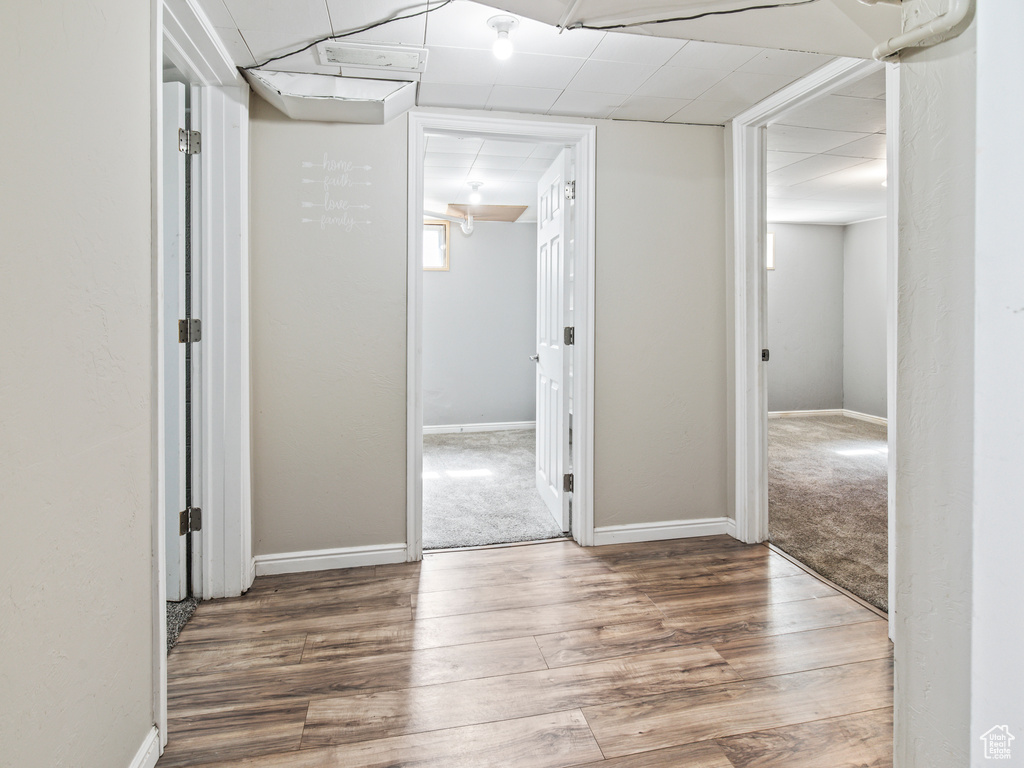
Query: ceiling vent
x: 331, y: 98
x: 386, y: 62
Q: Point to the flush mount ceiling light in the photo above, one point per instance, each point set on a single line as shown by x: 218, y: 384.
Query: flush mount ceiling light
x: 502, y: 47
x: 474, y: 196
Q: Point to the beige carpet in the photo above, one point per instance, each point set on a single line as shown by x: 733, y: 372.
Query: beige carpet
x: 481, y: 488
x: 828, y: 500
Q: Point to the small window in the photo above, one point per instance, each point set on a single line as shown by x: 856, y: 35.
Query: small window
x: 435, y: 245
x: 770, y: 251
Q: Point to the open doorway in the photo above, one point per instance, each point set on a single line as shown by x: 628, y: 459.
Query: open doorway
x: 521, y: 331
x: 826, y: 329
x: 486, y: 205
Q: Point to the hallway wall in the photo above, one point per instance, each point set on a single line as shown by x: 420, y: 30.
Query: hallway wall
x: 329, y: 331
x: 77, y: 385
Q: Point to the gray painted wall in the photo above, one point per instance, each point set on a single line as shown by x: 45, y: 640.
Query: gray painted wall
x: 660, y: 406
x: 77, y: 383
x: 935, y: 408
x: 864, y: 318
x: 329, y: 325
x: 805, y: 318
x: 479, y: 328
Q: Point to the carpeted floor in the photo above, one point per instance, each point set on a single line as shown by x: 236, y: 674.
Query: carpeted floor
x: 178, y: 614
x: 480, y: 488
x: 827, y: 499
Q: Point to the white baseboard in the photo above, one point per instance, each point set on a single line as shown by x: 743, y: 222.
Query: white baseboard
x: 444, y: 429
x: 149, y: 752
x: 670, y: 529
x: 866, y: 417
x: 329, y: 559
x: 252, y: 571
x: 830, y: 412
x: 730, y: 527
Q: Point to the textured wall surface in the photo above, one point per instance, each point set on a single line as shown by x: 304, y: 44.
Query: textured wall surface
x: 864, y: 319
x: 935, y: 405
x: 480, y: 327
x: 77, y: 484
x: 328, y: 305
x: 805, y: 318
x: 660, y: 337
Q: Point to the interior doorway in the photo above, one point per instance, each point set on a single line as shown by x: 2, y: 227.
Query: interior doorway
x: 496, y: 269
x: 755, y: 157
x: 512, y: 402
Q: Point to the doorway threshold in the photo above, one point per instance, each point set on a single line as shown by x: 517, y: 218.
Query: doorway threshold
x: 505, y: 545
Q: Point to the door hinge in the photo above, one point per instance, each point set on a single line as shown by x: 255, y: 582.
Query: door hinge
x: 764, y: 355
x: 190, y: 331
x: 569, y: 337
x: 567, y: 483
x: 570, y: 190
x: 190, y: 520
x: 189, y: 142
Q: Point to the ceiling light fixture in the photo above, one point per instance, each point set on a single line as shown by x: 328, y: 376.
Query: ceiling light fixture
x: 474, y: 196
x: 502, y: 47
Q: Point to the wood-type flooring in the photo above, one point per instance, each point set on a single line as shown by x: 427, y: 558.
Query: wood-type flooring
x: 693, y: 653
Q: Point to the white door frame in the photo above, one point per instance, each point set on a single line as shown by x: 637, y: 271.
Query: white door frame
x: 182, y: 32
x: 581, y: 139
x: 749, y: 394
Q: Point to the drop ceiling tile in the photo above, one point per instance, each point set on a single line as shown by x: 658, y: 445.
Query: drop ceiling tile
x: 518, y: 149
x: 749, y: 87
x: 290, y: 24
x: 514, y: 99
x: 680, y: 82
x: 790, y: 63
x: 463, y: 24
x: 235, y: 46
x: 455, y: 65
x: 648, y: 108
x: 869, y: 87
x: 871, y: 147
x: 788, y: 193
x: 785, y: 138
x: 532, y: 70
x: 455, y: 144
x: 777, y: 160
x: 493, y: 175
x: 547, y: 151
x: 536, y: 165
x: 452, y: 95
x: 610, y: 77
x: 218, y: 14
x: 528, y: 176
x: 448, y: 160
x: 495, y: 162
x: 637, y: 49
x: 702, y: 112
x: 520, y: 193
x: 701, y: 55
x: 839, y: 113
x: 348, y: 15
x: 869, y: 173
x: 586, y: 104
x: 814, y: 167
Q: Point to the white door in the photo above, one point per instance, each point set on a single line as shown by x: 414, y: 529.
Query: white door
x: 174, y: 353
x: 554, y: 314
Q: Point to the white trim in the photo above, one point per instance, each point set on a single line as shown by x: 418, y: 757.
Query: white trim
x: 582, y: 139
x: 224, y: 402
x: 892, y: 153
x: 329, y: 559
x: 830, y: 412
x: 149, y: 752
x: 497, y: 426
x: 189, y: 41
x: 670, y: 529
x: 748, y: 221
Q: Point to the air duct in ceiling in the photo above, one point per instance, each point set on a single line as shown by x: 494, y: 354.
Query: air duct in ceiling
x: 332, y: 98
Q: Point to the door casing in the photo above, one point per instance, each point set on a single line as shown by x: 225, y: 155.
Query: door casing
x: 580, y: 140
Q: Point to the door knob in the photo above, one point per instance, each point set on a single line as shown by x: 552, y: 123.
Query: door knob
x: 535, y: 358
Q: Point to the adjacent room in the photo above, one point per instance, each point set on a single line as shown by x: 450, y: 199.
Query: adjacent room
x: 479, y: 326
x: 827, y: 271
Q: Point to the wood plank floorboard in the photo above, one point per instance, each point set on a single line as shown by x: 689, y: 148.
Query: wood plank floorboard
x: 693, y: 653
